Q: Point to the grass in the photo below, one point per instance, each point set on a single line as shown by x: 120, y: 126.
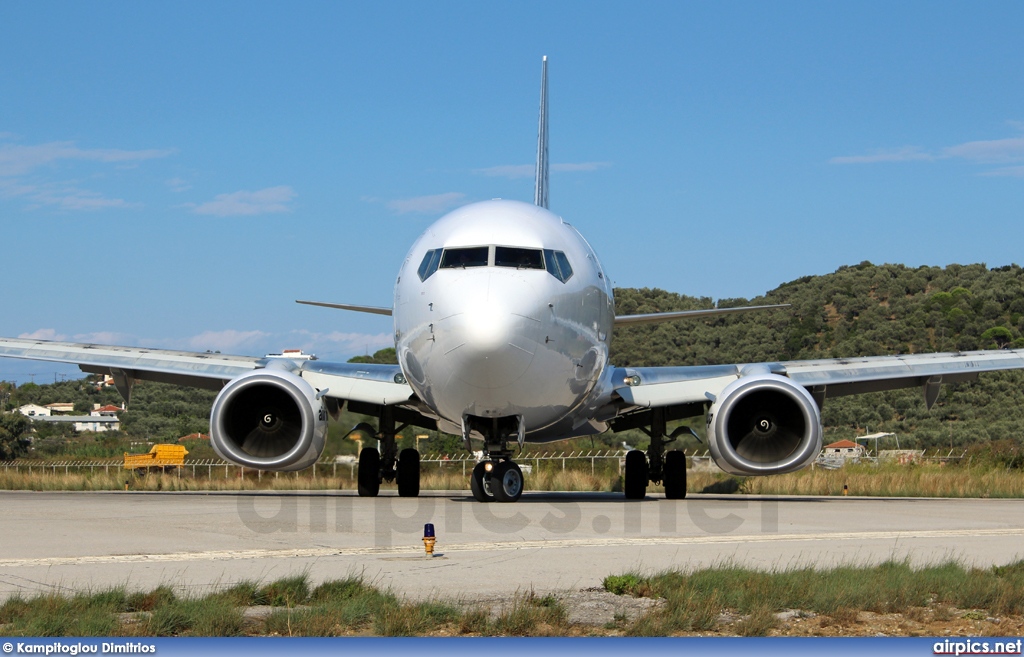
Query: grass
x: 723, y: 599
x: 694, y: 600
x: 929, y: 480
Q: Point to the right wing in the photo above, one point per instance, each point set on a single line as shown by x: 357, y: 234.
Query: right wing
x: 360, y: 382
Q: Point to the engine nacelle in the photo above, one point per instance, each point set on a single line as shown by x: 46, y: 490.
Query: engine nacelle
x: 269, y: 420
x: 764, y: 424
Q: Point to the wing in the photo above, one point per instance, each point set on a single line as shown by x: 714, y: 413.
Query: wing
x: 765, y: 418
x: 360, y: 382
x: 650, y: 387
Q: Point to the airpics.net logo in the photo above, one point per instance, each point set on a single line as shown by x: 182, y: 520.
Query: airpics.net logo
x: 394, y: 519
x: 973, y: 647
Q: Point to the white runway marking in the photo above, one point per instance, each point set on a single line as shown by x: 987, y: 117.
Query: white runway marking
x: 451, y: 550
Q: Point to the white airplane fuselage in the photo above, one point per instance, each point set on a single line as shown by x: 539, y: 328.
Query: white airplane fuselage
x: 484, y: 329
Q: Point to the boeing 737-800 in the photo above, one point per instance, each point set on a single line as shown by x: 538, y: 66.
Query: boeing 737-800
x: 503, y: 317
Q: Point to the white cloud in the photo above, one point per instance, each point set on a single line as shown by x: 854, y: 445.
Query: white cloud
x: 17, y: 160
x: 19, y: 177
x: 43, y: 334
x: 514, y: 171
x: 60, y: 195
x: 227, y: 340
x: 245, y: 203
x: 435, y: 204
x: 1006, y: 172
x: 178, y: 184
x: 905, y: 154
x: 339, y: 342
x: 105, y: 337
x: 989, y: 152
x: 99, y: 337
x: 580, y: 166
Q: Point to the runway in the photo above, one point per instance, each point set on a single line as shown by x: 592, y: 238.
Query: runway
x: 546, y: 542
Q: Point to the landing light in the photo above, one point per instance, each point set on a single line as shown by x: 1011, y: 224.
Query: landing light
x: 488, y: 466
x: 400, y: 378
x: 632, y: 380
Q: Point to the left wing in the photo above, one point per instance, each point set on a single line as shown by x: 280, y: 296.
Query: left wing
x: 765, y: 418
x: 837, y: 377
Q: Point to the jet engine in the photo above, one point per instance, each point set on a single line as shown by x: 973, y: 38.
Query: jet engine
x: 270, y: 420
x: 764, y: 424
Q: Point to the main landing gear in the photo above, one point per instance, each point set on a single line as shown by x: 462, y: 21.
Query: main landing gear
x: 388, y: 464
x: 657, y: 465
x: 497, y: 478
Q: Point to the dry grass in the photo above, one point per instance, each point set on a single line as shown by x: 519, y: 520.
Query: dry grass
x: 885, y: 481
x: 893, y: 481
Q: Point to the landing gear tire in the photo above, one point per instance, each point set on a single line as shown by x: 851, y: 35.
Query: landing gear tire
x: 479, y: 483
x: 408, y: 474
x: 635, y: 485
x: 369, y: 472
x: 506, y: 481
x: 674, y: 476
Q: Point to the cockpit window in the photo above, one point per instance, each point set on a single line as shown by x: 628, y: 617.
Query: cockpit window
x: 509, y: 256
x: 557, y: 265
x: 474, y: 256
x: 429, y: 264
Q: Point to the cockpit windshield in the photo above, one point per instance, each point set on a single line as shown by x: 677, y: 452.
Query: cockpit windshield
x: 474, y: 256
x: 510, y: 256
x: 517, y: 257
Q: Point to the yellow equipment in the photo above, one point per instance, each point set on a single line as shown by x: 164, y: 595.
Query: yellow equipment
x: 161, y: 456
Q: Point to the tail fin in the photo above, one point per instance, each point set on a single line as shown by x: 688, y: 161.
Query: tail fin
x: 540, y: 190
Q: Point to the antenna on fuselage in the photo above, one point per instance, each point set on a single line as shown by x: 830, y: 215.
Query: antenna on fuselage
x: 540, y: 189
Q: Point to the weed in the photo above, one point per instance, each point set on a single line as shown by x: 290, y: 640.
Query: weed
x: 623, y: 584
x: 758, y: 623
x: 286, y: 592
x: 474, y: 621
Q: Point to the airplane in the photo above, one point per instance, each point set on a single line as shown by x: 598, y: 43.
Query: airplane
x: 503, y: 318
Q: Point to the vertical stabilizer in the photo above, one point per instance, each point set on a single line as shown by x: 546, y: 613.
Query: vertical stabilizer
x: 540, y: 189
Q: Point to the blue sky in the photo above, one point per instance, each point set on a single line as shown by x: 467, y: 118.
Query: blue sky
x: 178, y: 174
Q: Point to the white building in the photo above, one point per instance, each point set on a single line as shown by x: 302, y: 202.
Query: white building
x: 34, y: 410
x: 93, y: 423
x: 105, y: 411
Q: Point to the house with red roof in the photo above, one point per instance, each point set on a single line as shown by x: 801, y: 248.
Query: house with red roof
x: 846, y: 449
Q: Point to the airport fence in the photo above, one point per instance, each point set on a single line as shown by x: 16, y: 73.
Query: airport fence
x: 333, y: 466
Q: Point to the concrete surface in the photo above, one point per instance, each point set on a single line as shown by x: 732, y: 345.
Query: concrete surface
x: 547, y: 541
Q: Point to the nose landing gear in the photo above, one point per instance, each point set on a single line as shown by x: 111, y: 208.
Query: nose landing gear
x: 497, y: 481
x: 498, y: 478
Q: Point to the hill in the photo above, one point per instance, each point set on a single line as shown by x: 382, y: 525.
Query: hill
x: 859, y: 310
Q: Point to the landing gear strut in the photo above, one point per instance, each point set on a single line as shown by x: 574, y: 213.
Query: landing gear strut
x: 668, y: 468
x: 498, y: 478
x: 387, y: 464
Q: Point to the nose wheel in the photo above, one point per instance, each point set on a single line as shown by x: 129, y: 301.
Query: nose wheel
x: 500, y: 481
x: 480, y: 483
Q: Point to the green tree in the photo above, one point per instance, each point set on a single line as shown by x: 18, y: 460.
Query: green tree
x: 386, y: 356
x: 13, y: 426
x: 1000, y: 335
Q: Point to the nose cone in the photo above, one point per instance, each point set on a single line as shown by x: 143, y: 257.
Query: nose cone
x: 490, y: 340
